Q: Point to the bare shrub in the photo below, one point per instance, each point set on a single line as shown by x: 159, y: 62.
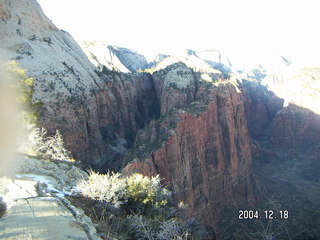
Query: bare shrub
x: 108, y: 187
x: 143, y: 204
x: 39, y: 144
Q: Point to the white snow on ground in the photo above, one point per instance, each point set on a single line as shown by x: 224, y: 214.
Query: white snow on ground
x: 43, y: 179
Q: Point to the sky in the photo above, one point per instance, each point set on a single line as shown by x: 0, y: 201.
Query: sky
x: 149, y: 26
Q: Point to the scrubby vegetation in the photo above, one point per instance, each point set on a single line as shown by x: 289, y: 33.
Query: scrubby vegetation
x: 135, y: 207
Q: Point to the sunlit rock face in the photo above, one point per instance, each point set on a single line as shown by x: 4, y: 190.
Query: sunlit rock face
x: 114, y: 58
x: 63, y: 75
x: 49, y: 54
x: 297, y: 85
x: 97, y: 115
x: 298, y: 123
x: 169, y: 85
x: 201, y: 149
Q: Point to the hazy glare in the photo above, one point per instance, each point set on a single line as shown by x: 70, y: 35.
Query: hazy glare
x: 8, y: 123
x: 232, y: 25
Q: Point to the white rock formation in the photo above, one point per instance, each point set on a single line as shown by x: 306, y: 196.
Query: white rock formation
x: 114, y: 58
x: 51, y: 56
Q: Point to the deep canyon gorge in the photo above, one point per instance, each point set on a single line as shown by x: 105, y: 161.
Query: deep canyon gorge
x: 220, y: 141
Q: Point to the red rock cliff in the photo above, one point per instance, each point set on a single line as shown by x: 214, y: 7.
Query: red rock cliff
x: 206, y: 158
x: 99, y: 127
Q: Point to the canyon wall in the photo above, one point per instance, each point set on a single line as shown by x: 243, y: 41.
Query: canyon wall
x: 185, y: 122
x: 202, y: 152
x: 98, y: 113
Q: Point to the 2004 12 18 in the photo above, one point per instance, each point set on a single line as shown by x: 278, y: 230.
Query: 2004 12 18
x: 267, y: 214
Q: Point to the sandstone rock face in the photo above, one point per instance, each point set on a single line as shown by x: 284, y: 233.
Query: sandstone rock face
x: 132, y: 60
x: 261, y: 106
x: 97, y: 113
x: 294, y: 126
x: 114, y: 58
x: 175, y: 86
x: 33, y: 18
x: 115, y: 115
x: 107, y: 121
x: 284, y: 113
x: 58, y: 64
x: 64, y: 77
x: 297, y: 123
x: 205, y: 156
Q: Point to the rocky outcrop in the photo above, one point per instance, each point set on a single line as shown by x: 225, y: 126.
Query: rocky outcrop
x: 131, y: 60
x: 202, y: 152
x: 295, y: 126
x: 176, y: 86
x: 261, y: 106
x: 64, y: 77
x: 114, y: 58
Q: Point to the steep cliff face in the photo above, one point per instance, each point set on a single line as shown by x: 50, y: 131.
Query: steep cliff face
x: 118, y: 113
x: 284, y: 131
x: 284, y: 113
x: 295, y: 126
x: 64, y: 77
x: 297, y: 123
x: 261, y: 106
x: 202, y: 152
x: 97, y: 112
x: 107, y: 120
x: 132, y: 60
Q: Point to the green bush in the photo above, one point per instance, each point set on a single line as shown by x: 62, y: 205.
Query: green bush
x: 147, y: 190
